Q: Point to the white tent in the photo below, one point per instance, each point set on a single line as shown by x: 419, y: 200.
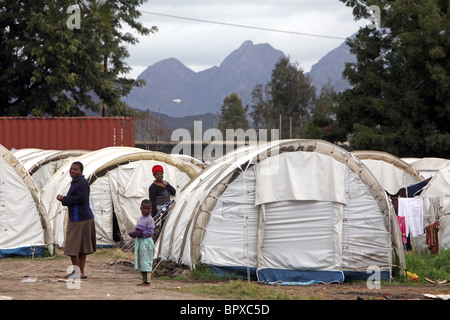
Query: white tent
x: 427, y: 167
x: 42, y: 164
x: 189, y: 159
x: 391, y: 172
x: 119, y: 179
x: 25, y: 152
x: 292, y: 210
x: 436, y: 207
x: 24, y: 224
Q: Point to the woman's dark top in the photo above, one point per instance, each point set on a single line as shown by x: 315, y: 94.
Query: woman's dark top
x: 77, y: 200
x: 159, y: 195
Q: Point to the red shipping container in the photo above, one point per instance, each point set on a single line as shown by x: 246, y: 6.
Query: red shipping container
x: 66, y: 133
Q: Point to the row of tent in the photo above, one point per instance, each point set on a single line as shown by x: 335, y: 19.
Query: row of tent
x: 31, y: 221
x: 288, y: 210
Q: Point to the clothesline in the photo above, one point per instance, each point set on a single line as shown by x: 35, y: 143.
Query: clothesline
x: 410, y: 216
x: 412, y: 210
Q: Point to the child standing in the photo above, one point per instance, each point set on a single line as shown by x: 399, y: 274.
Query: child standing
x: 144, y: 247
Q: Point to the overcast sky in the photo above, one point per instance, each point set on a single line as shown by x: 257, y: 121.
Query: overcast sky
x: 185, y: 35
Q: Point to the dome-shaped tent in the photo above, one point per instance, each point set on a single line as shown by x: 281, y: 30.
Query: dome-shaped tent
x: 294, y: 210
x: 436, y: 207
x: 427, y: 167
x: 42, y: 164
x: 24, y: 224
x: 393, y: 173
x: 119, y: 178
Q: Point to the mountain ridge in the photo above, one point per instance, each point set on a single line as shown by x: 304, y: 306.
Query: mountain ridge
x: 203, y: 92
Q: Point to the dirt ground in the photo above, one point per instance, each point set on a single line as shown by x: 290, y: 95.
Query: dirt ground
x: 42, y: 279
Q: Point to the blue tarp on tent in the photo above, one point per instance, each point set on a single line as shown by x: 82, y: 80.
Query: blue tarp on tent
x: 23, y: 251
x: 300, y: 276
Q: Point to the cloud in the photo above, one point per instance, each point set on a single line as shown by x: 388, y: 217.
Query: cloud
x: 201, y: 44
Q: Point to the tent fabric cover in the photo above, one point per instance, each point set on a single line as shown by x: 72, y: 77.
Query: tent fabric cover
x: 124, y: 189
x: 297, y: 233
x: 24, y: 224
x: 300, y: 182
x: 391, y: 172
x: 436, y: 207
x: 428, y: 167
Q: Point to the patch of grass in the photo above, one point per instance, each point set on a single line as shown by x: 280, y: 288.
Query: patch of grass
x: 204, y: 273
x: 427, y: 265
x: 244, y: 290
x: 227, y: 287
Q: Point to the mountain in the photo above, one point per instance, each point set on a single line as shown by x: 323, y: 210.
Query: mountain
x: 203, y: 92
x: 330, y: 68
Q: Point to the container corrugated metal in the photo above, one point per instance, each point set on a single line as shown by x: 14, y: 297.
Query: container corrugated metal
x: 66, y: 133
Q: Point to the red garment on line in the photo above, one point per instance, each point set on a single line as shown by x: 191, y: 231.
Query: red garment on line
x: 402, y: 225
x: 432, y: 239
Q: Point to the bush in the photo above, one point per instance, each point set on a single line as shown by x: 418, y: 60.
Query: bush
x: 427, y: 265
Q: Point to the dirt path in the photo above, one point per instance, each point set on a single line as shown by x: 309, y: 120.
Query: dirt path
x: 41, y: 279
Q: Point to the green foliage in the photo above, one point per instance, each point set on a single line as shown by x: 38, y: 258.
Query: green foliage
x: 232, y: 114
x: 427, y: 265
x: 243, y: 290
x: 289, y: 101
x: 49, y: 69
x: 323, y: 124
x: 203, y: 272
x: 287, y: 98
x: 400, y: 100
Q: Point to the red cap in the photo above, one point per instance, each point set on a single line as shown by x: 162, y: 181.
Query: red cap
x: 157, y: 168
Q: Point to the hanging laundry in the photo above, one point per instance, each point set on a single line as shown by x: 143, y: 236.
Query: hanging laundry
x: 433, y: 209
x: 432, y: 239
x: 402, y: 225
x: 412, y: 210
x: 416, y: 189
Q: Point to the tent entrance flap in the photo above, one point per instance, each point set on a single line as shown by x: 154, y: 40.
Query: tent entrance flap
x: 300, y: 238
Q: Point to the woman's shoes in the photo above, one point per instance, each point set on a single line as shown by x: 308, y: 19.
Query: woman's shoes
x: 72, y: 275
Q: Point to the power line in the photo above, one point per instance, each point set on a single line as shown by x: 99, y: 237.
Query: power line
x: 244, y: 26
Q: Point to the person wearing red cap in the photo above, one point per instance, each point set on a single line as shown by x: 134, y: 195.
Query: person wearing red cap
x: 160, y: 190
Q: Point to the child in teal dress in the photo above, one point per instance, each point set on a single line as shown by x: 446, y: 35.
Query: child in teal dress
x: 144, y: 247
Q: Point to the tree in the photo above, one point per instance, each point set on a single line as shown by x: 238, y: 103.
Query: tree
x: 286, y: 100
x: 48, y: 68
x: 232, y: 114
x: 262, y: 109
x: 400, y: 100
x: 323, y: 124
x: 151, y: 130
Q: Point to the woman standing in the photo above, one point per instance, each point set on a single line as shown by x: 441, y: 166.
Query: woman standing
x: 80, y: 237
x: 160, y: 190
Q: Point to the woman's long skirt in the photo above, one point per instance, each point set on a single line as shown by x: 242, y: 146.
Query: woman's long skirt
x: 80, y: 238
